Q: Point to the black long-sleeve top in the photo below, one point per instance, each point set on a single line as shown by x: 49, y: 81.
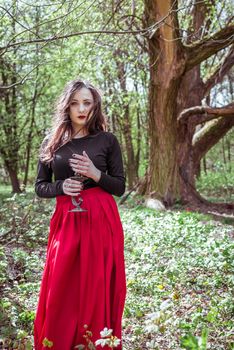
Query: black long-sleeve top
x: 102, y: 148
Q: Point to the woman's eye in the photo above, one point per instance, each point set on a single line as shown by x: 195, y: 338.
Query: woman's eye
x: 73, y: 103
x: 87, y: 103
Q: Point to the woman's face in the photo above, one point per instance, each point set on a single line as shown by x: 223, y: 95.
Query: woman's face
x: 80, y: 108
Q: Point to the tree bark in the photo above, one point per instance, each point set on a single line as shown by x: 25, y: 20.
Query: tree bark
x: 9, y: 146
x: 176, y: 85
x: 199, y: 52
x: 32, y: 121
x: 209, y: 135
x: 195, y: 113
x: 13, y: 173
x: 165, y: 73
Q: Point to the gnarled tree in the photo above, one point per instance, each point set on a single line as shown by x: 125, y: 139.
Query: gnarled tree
x: 177, y: 144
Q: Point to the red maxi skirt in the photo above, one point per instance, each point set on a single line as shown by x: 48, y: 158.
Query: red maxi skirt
x: 84, y: 280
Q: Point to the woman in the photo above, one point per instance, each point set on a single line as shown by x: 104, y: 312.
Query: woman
x: 84, y: 281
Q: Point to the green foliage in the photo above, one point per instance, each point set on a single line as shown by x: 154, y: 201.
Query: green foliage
x: 179, y: 268
x: 217, y: 182
x: 179, y: 264
x: 3, y: 266
x: 179, y: 278
x: 190, y: 342
x: 23, y: 218
x: 48, y: 66
x: 117, y: 64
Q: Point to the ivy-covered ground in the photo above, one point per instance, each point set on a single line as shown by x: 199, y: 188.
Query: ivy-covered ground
x: 179, y: 269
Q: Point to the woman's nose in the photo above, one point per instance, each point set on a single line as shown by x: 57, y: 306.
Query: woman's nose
x: 81, y: 107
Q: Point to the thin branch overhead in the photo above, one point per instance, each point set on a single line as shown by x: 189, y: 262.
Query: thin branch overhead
x: 45, y: 22
x: 22, y: 81
x: 150, y: 31
x: 55, y: 38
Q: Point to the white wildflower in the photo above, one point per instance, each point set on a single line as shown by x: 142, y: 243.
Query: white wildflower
x: 151, y: 328
x: 166, y: 304
x: 154, y: 315
x: 102, y: 342
x: 106, y: 332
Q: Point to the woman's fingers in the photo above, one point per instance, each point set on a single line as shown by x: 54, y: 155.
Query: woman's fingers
x: 78, y: 161
x: 73, y: 162
x: 79, y: 166
x: 71, y: 193
x: 71, y: 183
x: 78, y: 156
x: 83, y: 165
x: 72, y: 187
x: 79, y: 169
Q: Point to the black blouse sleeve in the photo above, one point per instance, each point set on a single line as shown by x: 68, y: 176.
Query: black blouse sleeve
x: 44, y: 187
x: 114, y: 180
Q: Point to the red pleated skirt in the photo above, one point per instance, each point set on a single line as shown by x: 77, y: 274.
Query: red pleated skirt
x: 84, y: 280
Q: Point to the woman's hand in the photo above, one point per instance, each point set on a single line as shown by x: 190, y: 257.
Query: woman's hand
x: 72, y: 187
x: 83, y: 165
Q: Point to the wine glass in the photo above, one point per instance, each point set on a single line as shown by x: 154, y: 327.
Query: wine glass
x: 81, y: 178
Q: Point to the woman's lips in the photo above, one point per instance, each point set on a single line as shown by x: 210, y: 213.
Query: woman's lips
x: 82, y: 116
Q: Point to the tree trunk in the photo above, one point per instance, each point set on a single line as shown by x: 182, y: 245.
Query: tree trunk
x: 131, y: 169
x: 13, y: 173
x: 34, y: 101
x: 9, y: 148
x: 175, y: 85
x: 229, y: 152
x: 204, y: 165
x: 190, y: 94
x: 28, y: 151
x: 131, y: 162
x: 165, y: 73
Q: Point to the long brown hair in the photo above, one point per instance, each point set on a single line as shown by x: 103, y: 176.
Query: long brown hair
x: 62, y: 130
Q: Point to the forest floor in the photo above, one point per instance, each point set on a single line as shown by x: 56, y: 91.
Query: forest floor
x: 179, y: 267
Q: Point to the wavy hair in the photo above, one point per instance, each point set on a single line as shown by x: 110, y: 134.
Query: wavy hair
x: 62, y: 130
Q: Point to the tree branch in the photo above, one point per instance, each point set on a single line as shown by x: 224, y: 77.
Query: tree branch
x: 14, y: 18
x: 210, y: 113
x: 203, y: 49
x: 222, y: 69
x: 149, y: 31
x: 209, y: 135
x: 41, y: 23
x: 55, y: 37
x: 22, y: 81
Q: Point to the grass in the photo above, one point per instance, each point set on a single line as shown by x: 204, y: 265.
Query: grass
x: 188, y: 261
x: 179, y: 269
x: 217, y: 185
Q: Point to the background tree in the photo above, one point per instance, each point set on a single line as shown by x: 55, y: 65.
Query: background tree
x: 189, y: 47
x: 53, y: 62
x: 176, y: 86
